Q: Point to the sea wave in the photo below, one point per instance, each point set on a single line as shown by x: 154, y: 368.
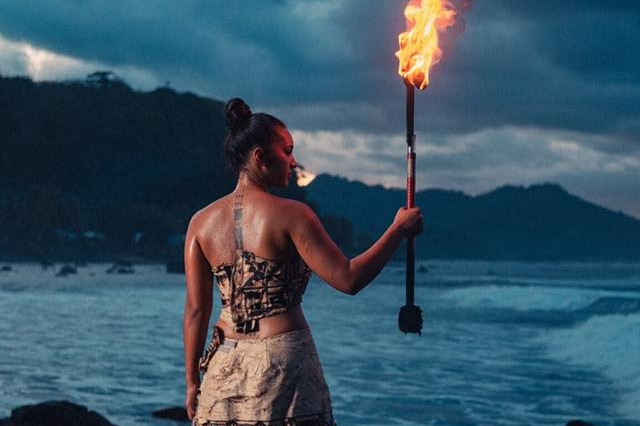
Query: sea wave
x: 524, y: 298
x: 606, y: 343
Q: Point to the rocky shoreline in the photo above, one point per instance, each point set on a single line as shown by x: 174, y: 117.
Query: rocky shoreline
x: 120, y: 267
x: 65, y: 413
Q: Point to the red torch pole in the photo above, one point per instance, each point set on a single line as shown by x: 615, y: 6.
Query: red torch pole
x: 411, y: 191
x: 410, y: 317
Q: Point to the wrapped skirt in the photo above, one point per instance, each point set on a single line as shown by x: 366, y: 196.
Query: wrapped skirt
x: 276, y: 381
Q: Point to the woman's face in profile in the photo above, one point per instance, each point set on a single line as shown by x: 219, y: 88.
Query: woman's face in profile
x: 280, y: 160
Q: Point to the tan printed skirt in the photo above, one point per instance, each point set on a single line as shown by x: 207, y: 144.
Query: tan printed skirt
x: 277, y: 381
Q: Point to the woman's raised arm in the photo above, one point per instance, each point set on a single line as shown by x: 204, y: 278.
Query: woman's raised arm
x: 324, y: 257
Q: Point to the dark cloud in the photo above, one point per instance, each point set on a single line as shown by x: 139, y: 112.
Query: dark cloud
x: 329, y: 65
x: 564, y: 65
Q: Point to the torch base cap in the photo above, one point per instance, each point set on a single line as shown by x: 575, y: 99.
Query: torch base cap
x: 410, y: 319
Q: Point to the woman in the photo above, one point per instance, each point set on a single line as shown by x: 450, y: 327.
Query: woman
x: 261, y: 366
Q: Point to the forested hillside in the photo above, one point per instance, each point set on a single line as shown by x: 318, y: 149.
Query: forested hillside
x: 94, y: 168
x: 540, y: 222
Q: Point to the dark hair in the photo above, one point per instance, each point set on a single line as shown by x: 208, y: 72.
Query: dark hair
x: 246, y: 131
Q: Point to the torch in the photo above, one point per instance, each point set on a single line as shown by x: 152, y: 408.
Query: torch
x: 418, y: 52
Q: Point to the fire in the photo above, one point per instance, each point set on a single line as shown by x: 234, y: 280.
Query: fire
x: 419, y: 49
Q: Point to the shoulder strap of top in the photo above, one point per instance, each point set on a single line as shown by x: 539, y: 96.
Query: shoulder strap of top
x: 237, y: 218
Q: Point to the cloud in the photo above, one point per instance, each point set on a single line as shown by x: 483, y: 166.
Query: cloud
x: 41, y: 64
x: 481, y: 161
x: 531, y: 91
x: 551, y: 65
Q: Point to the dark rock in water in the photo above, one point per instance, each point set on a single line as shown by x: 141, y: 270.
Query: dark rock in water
x: 175, y: 266
x: 6, y: 268
x: 613, y: 305
x: 55, y: 413
x: 121, y: 268
x: 177, y: 414
x: 66, y: 270
x: 578, y: 423
x: 422, y: 269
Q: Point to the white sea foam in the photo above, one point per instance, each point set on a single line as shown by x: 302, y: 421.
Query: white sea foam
x: 525, y: 298
x: 609, y: 344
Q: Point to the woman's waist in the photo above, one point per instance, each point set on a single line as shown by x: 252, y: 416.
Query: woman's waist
x: 290, y: 320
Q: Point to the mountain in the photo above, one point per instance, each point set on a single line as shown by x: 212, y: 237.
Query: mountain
x: 93, y: 168
x: 539, y: 222
x: 100, y: 139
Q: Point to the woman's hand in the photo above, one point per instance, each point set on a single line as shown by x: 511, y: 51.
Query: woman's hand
x: 191, y: 401
x: 409, y: 221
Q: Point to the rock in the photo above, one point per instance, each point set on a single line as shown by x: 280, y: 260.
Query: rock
x: 177, y: 414
x: 6, y: 268
x: 66, y: 270
x: 578, y: 423
x: 55, y: 413
x: 121, y: 267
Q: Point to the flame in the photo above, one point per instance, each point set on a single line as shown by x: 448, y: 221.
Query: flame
x: 419, y: 49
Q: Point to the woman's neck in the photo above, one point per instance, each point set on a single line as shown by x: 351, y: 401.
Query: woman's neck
x: 247, y: 182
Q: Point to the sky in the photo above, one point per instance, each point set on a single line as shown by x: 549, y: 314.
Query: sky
x: 526, y: 92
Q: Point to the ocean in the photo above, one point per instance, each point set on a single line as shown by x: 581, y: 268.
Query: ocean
x: 504, y: 343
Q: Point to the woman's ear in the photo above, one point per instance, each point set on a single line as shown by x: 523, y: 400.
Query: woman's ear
x: 259, y: 157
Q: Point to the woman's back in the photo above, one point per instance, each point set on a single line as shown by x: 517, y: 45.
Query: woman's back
x: 253, y: 220
x: 244, y: 238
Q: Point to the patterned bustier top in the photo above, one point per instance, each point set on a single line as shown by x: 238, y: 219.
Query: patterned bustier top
x: 253, y: 287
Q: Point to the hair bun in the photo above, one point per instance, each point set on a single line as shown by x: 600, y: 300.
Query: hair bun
x: 236, y: 112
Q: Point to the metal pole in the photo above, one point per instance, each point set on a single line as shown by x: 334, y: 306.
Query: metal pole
x: 411, y: 192
x: 410, y: 317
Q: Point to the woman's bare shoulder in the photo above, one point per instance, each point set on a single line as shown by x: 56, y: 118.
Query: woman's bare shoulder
x: 210, y: 213
x: 290, y: 208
